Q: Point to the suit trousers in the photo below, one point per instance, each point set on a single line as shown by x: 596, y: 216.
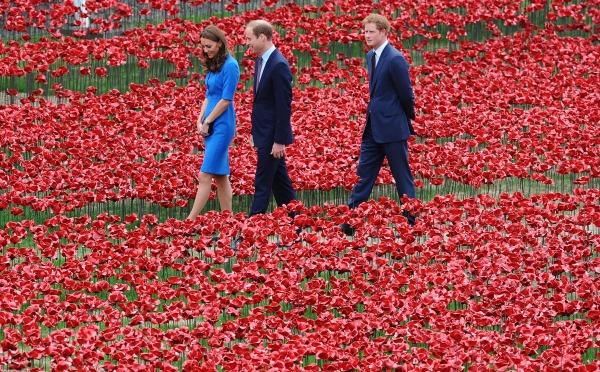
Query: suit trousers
x: 369, y: 165
x: 271, y: 177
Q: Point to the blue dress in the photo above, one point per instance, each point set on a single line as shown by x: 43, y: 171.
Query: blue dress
x: 220, y: 85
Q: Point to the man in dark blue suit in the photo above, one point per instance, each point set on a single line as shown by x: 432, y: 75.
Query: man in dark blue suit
x: 389, y: 113
x: 271, y: 112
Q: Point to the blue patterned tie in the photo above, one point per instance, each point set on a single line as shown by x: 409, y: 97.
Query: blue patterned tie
x: 257, y: 68
x: 373, y: 65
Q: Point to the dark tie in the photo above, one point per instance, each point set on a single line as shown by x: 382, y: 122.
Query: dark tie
x: 257, y: 68
x: 373, y: 65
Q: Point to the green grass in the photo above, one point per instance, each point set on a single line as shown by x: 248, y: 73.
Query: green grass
x: 241, y: 203
x: 587, y: 357
x: 590, y: 355
x: 457, y: 306
x: 120, y: 77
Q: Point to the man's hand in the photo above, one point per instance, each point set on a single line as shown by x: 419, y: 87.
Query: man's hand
x: 251, y: 141
x: 278, y: 151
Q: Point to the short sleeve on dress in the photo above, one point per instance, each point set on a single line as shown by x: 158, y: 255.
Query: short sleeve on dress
x: 231, y: 76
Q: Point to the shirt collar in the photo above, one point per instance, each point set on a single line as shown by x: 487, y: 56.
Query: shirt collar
x: 379, y: 50
x: 265, y: 56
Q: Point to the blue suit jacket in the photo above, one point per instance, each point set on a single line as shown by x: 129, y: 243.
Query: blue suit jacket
x: 272, y: 106
x: 392, y: 103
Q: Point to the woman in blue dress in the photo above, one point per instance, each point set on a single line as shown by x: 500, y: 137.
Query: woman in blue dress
x: 216, y: 122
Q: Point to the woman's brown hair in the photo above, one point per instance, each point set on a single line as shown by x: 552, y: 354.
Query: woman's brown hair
x: 215, y: 34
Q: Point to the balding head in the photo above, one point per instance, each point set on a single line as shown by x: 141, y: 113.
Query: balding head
x: 261, y: 27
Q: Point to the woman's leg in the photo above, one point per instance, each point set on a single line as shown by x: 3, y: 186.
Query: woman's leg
x: 224, y: 192
x: 204, y: 182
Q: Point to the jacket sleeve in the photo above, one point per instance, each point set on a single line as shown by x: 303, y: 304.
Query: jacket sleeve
x: 282, y: 86
x: 402, y: 85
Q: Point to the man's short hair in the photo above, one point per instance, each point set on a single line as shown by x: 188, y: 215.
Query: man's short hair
x: 261, y: 27
x: 380, y: 22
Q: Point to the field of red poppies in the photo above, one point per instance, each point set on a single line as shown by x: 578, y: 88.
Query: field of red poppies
x: 99, y: 158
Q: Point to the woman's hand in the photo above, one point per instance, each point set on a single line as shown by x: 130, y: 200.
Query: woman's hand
x: 203, y: 129
x: 199, y: 127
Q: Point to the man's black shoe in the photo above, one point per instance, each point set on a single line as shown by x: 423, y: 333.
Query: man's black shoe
x: 347, y: 229
x: 409, y: 218
x: 235, y: 242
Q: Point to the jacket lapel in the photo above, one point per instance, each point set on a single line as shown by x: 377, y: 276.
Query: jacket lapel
x: 267, y: 69
x: 380, y: 66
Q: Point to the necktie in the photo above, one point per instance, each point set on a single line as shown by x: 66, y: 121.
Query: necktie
x: 373, y: 65
x: 257, y: 68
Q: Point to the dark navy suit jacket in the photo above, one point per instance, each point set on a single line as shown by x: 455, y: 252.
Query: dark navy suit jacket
x: 392, y: 103
x: 272, y: 105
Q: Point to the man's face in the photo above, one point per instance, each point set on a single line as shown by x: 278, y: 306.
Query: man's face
x: 374, y: 37
x: 255, y: 44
